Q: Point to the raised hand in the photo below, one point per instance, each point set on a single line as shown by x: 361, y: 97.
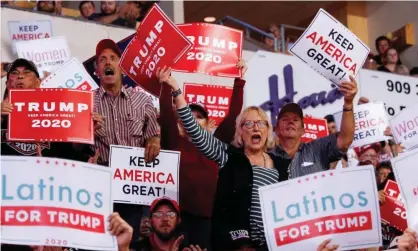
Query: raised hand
x: 164, y: 76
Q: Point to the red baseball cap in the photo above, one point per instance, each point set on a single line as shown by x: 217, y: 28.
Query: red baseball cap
x: 362, y: 149
x: 164, y: 201
x: 107, y: 44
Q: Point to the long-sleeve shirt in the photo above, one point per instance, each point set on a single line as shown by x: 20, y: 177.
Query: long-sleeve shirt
x: 198, y: 175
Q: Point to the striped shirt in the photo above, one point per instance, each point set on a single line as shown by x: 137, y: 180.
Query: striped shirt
x: 261, y: 177
x: 129, y: 120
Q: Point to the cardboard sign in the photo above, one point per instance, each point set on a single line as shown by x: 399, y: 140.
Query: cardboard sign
x: 315, y: 128
x: 216, y: 50
x: 395, y: 90
x: 215, y: 98
x: 137, y: 182
x: 405, y: 127
x: 53, y: 202
x: 370, y: 123
x: 311, y: 212
x: 47, y: 54
x: 330, y: 48
x: 29, y: 30
x: 55, y: 115
x: 71, y: 75
x: 392, y: 210
x: 406, y: 173
x: 157, y: 43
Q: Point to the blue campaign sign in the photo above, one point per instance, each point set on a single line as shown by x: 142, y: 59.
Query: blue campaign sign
x: 89, y: 63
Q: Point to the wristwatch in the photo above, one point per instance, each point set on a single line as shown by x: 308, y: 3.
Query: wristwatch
x: 176, y: 93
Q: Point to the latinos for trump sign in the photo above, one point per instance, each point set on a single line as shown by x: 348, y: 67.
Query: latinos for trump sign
x: 216, y: 50
x: 406, y: 172
x: 370, y: 123
x: 314, y: 129
x: 60, y: 115
x: 330, y: 48
x: 24, y: 30
x: 312, y: 212
x: 138, y: 182
x: 157, y: 43
x: 392, y: 210
x: 215, y: 98
x: 71, y: 75
x: 47, y: 54
x: 53, y: 202
x: 405, y: 127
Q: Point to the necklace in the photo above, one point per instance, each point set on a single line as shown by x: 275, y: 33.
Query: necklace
x: 264, y: 158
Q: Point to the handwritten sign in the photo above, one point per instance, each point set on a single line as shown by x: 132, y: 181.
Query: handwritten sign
x: 405, y: 127
x: 392, y: 210
x: 406, y: 173
x: 55, y: 115
x: 311, y: 212
x: 53, y: 202
x: 370, y: 123
x: 216, y: 50
x: 215, y: 98
x: 330, y: 48
x: 158, y: 42
x: 315, y: 128
x: 138, y: 182
x: 29, y: 30
x: 47, y: 54
x: 70, y: 75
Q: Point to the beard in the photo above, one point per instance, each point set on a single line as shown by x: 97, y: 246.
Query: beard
x: 165, y: 236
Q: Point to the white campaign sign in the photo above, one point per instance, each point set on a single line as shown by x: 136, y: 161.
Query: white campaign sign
x: 56, y: 202
x: 48, y: 54
x: 274, y: 79
x: 330, y: 48
x: 137, y: 182
x: 370, y: 123
x: 71, y: 75
x: 404, y: 127
x: 406, y: 172
x: 311, y: 212
x: 29, y: 30
x: 396, y: 91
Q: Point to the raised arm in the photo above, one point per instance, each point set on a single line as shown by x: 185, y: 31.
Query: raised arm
x: 211, y: 147
x: 169, y: 130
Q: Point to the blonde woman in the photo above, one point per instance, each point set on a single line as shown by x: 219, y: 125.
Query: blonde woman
x: 245, y: 165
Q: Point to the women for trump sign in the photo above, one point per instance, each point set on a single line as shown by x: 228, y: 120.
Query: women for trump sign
x: 312, y: 212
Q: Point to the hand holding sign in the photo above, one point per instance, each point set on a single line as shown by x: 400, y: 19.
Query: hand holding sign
x: 408, y: 241
x: 6, y: 107
x: 325, y: 247
x: 164, y: 76
x: 349, y: 89
x: 122, y: 230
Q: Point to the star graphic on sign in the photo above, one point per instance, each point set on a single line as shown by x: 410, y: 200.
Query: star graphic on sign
x: 315, y: 177
x: 323, y: 175
x: 47, y: 161
x: 56, y: 163
x: 299, y: 181
x: 38, y: 162
x: 331, y: 174
x: 73, y: 165
x: 65, y: 163
x: 307, y: 179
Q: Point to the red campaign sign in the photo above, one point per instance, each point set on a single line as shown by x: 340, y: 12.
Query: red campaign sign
x: 216, y: 50
x: 216, y: 99
x: 157, y: 43
x: 54, y: 115
x: 392, y: 210
x: 314, y: 129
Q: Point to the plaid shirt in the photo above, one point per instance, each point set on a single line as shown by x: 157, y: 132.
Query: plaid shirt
x: 129, y: 120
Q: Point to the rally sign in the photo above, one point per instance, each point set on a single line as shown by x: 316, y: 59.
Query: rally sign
x: 138, y: 182
x: 405, y: 127
x: 53, y: 202
x: 71, y: 75
x: 216, y: 50
x: 55, y: 115
x: 370, y: 123
x: 312, y: 212
x: 215, y: 98
x: 395, y: 90
x: 392, y: 210
x: 406, y: 172
x: 47, y: 54
x: 330, y: 48
x: 157, y: 43
x: 29, y: 30
x: 315, y: 128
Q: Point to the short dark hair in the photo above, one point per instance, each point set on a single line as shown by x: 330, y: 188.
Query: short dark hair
x: 329, y: 118
x: 413, y: 71
x: 381, y: 38
x: 83, y: 3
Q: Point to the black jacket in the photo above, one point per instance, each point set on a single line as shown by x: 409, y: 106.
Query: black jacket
x: 231, y: 213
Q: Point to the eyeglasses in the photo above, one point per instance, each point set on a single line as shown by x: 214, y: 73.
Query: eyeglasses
x: 249, y: 124
x: 159, y: 214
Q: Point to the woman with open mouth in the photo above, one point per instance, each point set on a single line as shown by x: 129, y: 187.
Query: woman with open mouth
x: 245, y: 165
